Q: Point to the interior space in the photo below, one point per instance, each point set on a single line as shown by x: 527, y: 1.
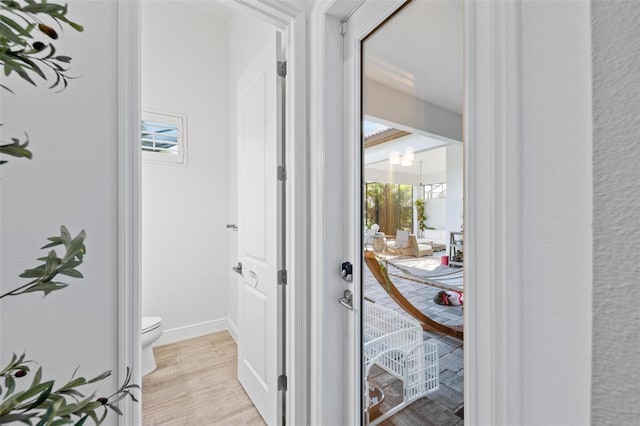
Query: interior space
x: 413, y: 209
x: 189, y: 212
x: 319, y: 212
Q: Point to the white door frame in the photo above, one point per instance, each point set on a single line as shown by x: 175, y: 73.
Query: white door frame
x: 493, y: 215
x: 291, y: 21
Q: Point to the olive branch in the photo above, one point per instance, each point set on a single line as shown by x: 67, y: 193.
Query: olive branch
x: 22, y: 53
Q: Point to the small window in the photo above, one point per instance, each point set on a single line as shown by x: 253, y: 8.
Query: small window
x: 435, y: 190
x: 163, y: 137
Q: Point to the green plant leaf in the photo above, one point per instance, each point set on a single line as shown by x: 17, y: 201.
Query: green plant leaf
x: 73, y: 384
x: 100, y: 377
x: 55, y: 241
x: 37, y: 377
x: 10, y: 384
x: 61, y: 421
x: 10, y: 91
x: 82, y: 420
x: 46, y: 287
x: 115, y: 408
x: 50, y: 414
x: 7, y: 33
x: 17, y: 417
x: 43, y: 391
x: 71, y: 273
x: 33, y: 273
x: 24, y: 32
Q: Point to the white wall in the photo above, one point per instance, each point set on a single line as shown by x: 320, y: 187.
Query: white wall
x: 455, y: 177
x: 556, y: 213
x: 72, y: 180
x: 615, y: 395
x: 375, y: 175
x: 245, y: 41
x: 436, y: 210
x: 185, y: 207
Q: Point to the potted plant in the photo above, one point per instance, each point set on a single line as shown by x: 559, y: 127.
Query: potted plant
x: 27, y: 37
x: 421, y: 215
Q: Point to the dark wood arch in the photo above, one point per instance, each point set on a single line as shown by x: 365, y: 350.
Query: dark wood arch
x: 381, y: 275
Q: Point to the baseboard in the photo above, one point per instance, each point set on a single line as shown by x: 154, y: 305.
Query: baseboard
x: 232, y: 329
x: 178, y: 334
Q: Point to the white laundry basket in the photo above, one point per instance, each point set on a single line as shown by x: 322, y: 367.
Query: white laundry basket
x: 394, y: 342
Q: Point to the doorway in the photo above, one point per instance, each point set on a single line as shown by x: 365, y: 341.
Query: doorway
x: 290, y: 23
x: 412, y: 283
x: 492, y: 347
x: 195, y: 158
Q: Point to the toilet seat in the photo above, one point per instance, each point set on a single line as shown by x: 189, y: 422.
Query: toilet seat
x: 150, y: 324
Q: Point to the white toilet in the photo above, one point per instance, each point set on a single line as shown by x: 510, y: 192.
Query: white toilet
x: 151, y: 331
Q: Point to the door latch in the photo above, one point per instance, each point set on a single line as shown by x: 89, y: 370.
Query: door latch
x: 347, y: 300
x: 238, y: 268
x: 347, y: 271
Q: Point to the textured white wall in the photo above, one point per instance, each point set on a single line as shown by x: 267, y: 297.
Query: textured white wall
x: 557, y: 203
x: 184, y: 207
x: 616, y: 209
x: 245, y: 40
x: 72, y: 180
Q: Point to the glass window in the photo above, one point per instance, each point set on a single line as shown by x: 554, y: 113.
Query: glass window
x: 435, y: 190
x: 163, y: 137
x: 390, y: 206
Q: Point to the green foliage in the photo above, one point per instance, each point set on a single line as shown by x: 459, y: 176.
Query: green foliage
x: 389, y: 205
x: 52, y: 265
x: 24, y: 24
x: 421, y: 214
x: 24, y: 55
x: 41, y: 402
x: 16, y: 149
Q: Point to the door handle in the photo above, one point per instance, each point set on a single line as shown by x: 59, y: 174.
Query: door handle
x: 347, y: 300
x: 238, y: 268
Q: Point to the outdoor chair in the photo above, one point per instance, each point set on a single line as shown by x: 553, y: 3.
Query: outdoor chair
x: 415, y: 249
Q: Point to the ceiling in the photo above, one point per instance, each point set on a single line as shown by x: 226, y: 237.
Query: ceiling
x: 433, y: 161
x: 420, y: 52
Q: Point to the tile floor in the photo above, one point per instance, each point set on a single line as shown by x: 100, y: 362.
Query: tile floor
x: 440, y: 407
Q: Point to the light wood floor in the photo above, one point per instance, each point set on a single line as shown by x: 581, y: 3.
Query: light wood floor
x: 196, y: 384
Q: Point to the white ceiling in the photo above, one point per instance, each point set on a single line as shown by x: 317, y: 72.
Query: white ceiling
x: 377, y: 156
x: 433, y: 161
x: 420, y: 52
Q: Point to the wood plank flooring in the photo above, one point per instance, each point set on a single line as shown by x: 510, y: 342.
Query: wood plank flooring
x: 196, y: 384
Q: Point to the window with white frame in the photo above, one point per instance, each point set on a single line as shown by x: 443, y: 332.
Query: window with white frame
x: 163, y: 137
x: 435, y: 190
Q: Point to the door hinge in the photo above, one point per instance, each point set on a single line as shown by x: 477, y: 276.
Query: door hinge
x: 282, y: 173
x: 282, y: 69
x: 282, y: 382
x: 282, y: 277
x: 343, y: 28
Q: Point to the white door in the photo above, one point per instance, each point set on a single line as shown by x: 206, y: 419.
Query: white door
x: 260, y: 229
x: 362, y: 22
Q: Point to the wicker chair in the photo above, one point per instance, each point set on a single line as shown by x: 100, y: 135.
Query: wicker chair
x: 417, y: 250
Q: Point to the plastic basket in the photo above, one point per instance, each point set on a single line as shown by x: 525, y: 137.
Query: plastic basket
x: 394, y: 342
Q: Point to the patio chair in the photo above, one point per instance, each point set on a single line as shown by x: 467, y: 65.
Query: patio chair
x: 370, y: 234
x: 401, y: 242
x: 381, y: 275
x: 415, y: 249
